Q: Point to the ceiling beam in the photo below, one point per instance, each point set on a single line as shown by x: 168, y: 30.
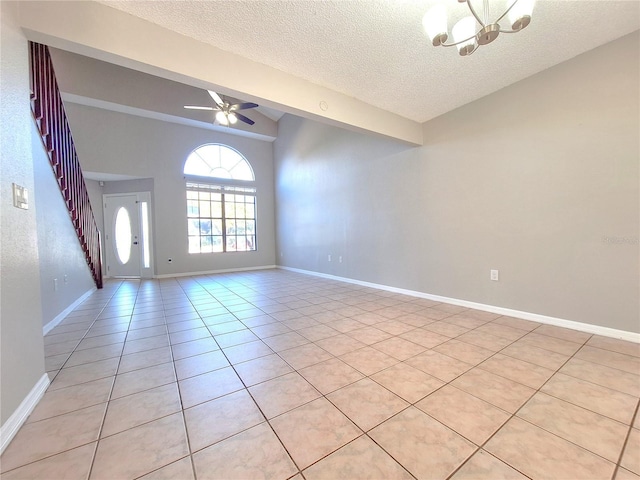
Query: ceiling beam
x: 94, y: 83
x: 101, y: 32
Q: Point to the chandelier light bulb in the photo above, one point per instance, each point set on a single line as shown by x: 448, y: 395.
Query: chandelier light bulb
x: 464, y: 35
x: 435, y: 24
x: 232, y: 118
x: 520, y: 13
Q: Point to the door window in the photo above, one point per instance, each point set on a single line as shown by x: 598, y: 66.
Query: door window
x: 123, y: 235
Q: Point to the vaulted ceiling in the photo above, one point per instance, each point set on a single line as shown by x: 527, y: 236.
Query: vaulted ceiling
x: 363, y: 64
x: 376, y: 50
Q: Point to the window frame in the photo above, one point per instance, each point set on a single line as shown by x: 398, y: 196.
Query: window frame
x: 218, y: 179
x: 224, y: 187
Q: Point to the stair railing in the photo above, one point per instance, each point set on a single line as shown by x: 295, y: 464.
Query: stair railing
x: 48, y: 112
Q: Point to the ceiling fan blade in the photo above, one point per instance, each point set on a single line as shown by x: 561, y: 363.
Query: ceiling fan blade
x: 243, y: 118
x: 242, y: 106
x: 196, y: 107
x: 216, y: 97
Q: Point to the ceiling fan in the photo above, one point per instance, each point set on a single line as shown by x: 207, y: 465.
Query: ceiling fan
x: 226, y: 113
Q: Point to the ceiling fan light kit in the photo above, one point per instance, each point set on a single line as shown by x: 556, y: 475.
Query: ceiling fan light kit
x: 226, y: 113
x: 225, y: 118
x: 473, y: 30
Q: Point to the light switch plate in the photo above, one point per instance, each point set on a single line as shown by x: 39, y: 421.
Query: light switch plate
x: 20, y: 197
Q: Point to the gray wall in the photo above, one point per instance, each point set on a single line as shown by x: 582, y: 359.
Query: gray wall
x: 59, y: 250
x: 111, y: 187
x: 116, y: 143
x: 21, y: 345
x: 95, y: 197
x: 128, y: 186
x: 539, y: 181
x: 36, y: 245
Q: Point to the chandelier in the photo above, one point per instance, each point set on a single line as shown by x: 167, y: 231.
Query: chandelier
x: 475, y: 30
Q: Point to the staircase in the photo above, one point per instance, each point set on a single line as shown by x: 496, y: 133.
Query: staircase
x: 48, y: 112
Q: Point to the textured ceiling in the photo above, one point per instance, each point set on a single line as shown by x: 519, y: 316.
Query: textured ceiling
x: 376, y: 51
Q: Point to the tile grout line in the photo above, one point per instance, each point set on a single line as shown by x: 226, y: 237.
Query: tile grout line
x: 490, y: 357
x: 84, y: 444
x: 85, y: 333
x: 395, y: 336
x: 514, y: 415
x: 511, y: 416
x: 626, y: 441
x: 113, y: 383
x: 182, y: 409
x: 190, y: 299
x: 366, y: 376
x: 266, y: 420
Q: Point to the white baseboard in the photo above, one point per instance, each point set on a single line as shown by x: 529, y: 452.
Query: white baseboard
x: 58, y: 318
x: 15, y: 421
x: 559, y: 322
x: 212, y: 272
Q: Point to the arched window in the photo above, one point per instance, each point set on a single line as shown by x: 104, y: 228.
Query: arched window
x: 221, y: 201
x: 218, y: 161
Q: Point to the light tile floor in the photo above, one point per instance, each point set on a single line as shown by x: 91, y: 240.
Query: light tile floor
x: 278, y: 375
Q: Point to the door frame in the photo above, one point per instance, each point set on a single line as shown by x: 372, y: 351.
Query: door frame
x: 146, y: 243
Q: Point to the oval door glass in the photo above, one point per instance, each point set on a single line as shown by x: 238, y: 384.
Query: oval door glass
x: 123, y: 235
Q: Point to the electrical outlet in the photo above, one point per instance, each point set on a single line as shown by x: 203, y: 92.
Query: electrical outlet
x: 340, y: 259
x: 495, y: 275
x: 66, y: 279
x: 329, y: 258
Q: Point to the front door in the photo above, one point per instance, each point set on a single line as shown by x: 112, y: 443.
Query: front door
x: 122, y: 242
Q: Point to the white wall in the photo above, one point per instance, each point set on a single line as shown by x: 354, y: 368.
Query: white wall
x: 21, y: 345
x: 117, y: 143
x: 534, y: 180
x: 59, y: 250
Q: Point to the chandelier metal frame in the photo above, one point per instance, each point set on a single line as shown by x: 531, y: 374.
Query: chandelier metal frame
x: 487, y: 33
